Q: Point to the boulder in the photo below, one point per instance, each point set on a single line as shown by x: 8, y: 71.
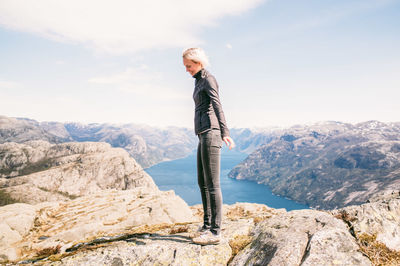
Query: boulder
x: 303, y: 237
x: 380, y: 218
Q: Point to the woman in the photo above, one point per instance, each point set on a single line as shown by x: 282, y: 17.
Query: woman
x: 211, y: 128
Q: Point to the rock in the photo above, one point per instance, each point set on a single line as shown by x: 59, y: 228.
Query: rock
x: 15, y: 222
x: 380, y: 218
x: 155, y: 250
x: 38, y: 171
x: 173, y: 246
x: 59, y: 225
x: 305, y: 237
x: 144, y: 227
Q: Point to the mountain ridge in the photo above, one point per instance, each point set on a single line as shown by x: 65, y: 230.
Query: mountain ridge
x: 148, y: 145
x: 327, y: 165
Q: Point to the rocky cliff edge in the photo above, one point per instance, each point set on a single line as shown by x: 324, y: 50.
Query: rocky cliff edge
x: 37, y: 171
x: 135, y: 227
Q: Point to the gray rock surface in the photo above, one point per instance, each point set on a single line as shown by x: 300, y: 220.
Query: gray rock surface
x: 380, y: 218
x: 154, y: 250
x: 142, y: 227
x: 38, y: 171
x: 305, y: 237
x: 166, y: 248
x: 29, y: 229
x: 16, y: 220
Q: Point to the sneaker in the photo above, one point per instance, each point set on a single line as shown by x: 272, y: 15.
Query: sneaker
x: 201, y: 230
x: 207, y: 238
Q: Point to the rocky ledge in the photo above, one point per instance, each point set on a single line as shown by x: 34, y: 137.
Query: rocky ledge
x: 138, y: 227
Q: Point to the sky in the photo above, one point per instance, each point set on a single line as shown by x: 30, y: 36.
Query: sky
x: 277, y: 62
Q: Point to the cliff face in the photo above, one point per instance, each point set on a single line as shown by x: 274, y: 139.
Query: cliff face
x: 38, y: 171
x: 138, y: 227
x: 328, y: 165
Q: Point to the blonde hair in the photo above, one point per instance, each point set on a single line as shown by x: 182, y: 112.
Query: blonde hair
x: 196, y: 55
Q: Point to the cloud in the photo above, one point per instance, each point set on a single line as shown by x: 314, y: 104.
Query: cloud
x: 229, y: 46
x: 4, y: 84
x: 141, y: 81
x: 120, y: 26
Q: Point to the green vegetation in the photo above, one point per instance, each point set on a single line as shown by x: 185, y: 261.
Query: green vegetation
x: 36, y: 167
x: 65, y: 194
x: 28, y: 168
x: 5, y: 198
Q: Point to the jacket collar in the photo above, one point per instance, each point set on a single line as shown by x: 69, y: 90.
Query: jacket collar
x: 201, y: 74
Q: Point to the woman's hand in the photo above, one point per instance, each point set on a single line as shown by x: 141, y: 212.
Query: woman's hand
x: 229, y: 142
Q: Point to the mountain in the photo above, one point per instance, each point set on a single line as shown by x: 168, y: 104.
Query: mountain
x: 148, y: 145
x: 23, y: 129
x: 327, y: 165
x: 247, y: 140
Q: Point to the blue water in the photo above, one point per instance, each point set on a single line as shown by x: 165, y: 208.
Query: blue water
x: 181, y: 175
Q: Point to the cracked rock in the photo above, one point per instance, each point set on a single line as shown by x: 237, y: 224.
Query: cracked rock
x: 303, y: 237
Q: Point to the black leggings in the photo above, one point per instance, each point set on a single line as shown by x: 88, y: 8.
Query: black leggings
x: 208, y: 176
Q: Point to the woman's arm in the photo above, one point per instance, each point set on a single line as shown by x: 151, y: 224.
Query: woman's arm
x: 212, y: 92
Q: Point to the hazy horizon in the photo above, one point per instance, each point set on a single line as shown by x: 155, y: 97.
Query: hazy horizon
x: 191, y: 128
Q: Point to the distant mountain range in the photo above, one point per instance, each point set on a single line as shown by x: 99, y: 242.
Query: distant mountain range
x: 327, y: 165
x: 147, y: 145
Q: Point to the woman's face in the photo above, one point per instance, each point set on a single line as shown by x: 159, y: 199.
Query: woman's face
x: 191, y: 66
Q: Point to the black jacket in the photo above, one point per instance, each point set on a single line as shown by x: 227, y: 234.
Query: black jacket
x: 208, y: 109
